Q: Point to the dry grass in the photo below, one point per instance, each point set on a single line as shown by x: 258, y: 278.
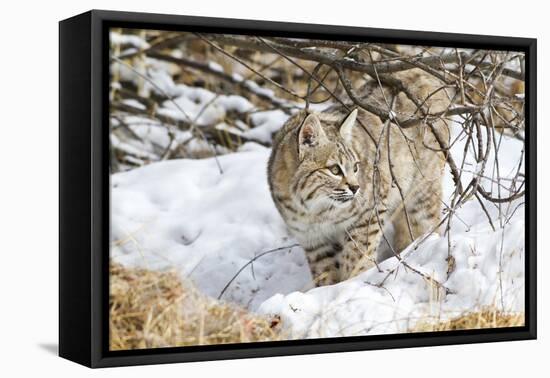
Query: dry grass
x: 156, y: 309
x: 151, y: 309
x: 487, y: 318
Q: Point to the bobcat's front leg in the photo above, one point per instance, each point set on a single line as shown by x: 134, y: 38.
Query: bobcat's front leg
x: 359, y: 248
x: 324, y: 263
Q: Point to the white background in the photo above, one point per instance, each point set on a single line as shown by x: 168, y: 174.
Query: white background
x: 29, y: 185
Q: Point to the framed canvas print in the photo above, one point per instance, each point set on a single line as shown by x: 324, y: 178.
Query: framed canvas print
x: 234, y: 188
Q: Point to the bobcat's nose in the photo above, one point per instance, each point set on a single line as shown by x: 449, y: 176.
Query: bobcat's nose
x: 354, y: 188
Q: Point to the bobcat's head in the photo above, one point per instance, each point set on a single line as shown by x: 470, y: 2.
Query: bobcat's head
x: 329, y: 170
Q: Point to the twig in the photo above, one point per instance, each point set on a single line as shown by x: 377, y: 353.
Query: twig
x: 289, y: 247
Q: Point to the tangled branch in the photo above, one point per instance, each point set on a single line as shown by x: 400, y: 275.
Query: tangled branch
x: 485, y: 91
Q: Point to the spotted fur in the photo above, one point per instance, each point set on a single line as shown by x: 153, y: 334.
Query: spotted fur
x: 331, y: 180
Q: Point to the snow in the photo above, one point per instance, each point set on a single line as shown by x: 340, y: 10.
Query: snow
x: 488, y: 271
x: 265, y: 125
x: 130, y: 148
x: 127, y: 39
x: 215, y: 66
x: 134, y: 103
x: 237, y: 77
x: 184, y: 214
x: 252, y: 85
x: 202, y: 107
x: 394, y: 299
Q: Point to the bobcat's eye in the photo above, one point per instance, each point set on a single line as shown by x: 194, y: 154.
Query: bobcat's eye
x: 335, y: 169
x: 356, y: 167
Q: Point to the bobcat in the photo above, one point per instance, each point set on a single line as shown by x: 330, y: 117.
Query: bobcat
x: 337, y: 177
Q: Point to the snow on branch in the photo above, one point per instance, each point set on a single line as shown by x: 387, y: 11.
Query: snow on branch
x: 240, y: 89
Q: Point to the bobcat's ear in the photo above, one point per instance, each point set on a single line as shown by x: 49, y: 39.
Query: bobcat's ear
x: 347, y: 126
x: 311, y: 133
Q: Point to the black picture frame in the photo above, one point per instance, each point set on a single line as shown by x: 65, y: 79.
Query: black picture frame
x: 84, y: 190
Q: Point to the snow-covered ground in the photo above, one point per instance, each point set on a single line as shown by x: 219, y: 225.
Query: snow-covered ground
x: 184, y: 214
x: 222, y: 231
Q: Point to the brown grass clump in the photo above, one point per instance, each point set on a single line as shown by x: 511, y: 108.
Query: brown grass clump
x: 487, y: 318
x: 150, y: 309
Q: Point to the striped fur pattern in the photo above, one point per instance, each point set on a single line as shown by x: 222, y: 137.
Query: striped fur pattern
x: 337, y: 177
